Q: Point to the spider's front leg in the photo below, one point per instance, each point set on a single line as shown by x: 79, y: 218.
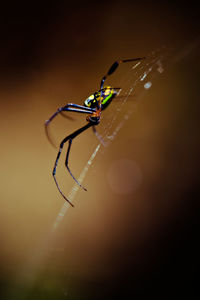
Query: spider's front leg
x: 67, y: 166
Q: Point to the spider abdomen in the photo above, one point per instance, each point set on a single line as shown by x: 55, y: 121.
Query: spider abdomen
x: 103, y: 96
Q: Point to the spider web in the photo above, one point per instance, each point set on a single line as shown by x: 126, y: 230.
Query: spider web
x: 134, y: 79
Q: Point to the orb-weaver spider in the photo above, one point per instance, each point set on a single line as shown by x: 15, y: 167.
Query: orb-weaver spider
x: 93, y: 106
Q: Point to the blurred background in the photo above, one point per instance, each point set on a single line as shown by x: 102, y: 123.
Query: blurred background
x: 135, y: 231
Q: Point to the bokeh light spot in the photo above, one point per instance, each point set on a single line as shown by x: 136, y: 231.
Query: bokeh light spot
x: 124, y: 176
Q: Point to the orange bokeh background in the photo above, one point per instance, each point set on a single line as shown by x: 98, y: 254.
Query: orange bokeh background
x: 57, y: 54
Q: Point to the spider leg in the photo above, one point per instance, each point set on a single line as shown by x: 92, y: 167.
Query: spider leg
x: 112, y: 70
x: 66, y: 164
x: 115, y: 66
x: 68, y: 138
x: 69, y: 107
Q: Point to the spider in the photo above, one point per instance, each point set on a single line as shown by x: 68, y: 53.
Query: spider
x: 93, y: 106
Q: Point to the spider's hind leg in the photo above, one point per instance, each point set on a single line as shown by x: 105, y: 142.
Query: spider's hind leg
x: 115, y: 66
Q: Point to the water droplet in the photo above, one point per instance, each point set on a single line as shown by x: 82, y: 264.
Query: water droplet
x: 147, y: 85
x: 143, y: 77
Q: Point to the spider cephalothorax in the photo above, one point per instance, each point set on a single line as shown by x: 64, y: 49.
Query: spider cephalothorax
x: 93, y: 106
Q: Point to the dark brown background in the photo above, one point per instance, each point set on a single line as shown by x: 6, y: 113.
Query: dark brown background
x: 110, y: 244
